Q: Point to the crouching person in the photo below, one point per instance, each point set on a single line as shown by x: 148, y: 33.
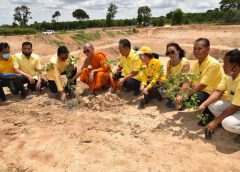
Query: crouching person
x: 152, y: 74
x: 94, y: 73
x: 226, y: 112
x: 59, y: 65
x: 28, y: 66
x: 8, y: 78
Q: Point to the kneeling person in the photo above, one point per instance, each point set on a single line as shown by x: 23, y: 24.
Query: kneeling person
x: 59, y: 64
x: 94, y: 72
x: 152, y: 74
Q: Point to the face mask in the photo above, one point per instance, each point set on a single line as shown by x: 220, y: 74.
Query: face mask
x: 5, y: 56
x: 27, y: 54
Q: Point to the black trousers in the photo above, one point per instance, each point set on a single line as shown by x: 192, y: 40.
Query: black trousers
x: 130, y: 84
x: 203, y: 96
x: 23, y: 80
x: 7, y: 82
x: 53, y: 86
x: 153, y: 93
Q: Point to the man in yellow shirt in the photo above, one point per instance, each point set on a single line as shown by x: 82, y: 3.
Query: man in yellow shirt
x: 227, y: 112
x: 59, y: 63
x: 127, y: 73
x: 7, y: 75
x: 210, y: 75
x: 152, y: 74
x: 29, y: 67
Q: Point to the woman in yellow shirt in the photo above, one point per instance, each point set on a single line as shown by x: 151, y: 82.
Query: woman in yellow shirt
x: 177, y: 63
x: 152, y: 74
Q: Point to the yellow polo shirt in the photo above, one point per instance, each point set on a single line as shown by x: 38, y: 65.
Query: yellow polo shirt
x: 176, y: 69
x: 30, y: 66
x: 232, y: 87
x: 130, y: 63
x: 55, y: 73
x: 6, y: 66
x: 151, y: 73
x: 210, y: 72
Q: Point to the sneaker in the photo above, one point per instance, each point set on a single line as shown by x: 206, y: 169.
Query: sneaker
x: 170, y: 105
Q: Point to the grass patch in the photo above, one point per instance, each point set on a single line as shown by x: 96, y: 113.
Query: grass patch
x: 111, y: 34
x: 83, y: 37
x: 58, y: 42
x: 132, y: 31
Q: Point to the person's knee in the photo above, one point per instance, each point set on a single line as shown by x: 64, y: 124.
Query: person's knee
x: 232, y: 125
x: 85, y: 72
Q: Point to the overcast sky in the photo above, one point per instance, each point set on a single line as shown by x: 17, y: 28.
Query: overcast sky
x: 42, y: 10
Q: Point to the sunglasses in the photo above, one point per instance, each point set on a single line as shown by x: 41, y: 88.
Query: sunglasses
x: 170, y: 52
x: 86, y: 51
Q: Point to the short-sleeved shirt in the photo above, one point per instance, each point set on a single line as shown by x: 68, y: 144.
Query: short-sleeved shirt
x: 232, y: 87
x: 29, y: 66
x: 210, y: 73
x: 130, y: 64
x: 54, y: 74
x: 6, y: 66
x: 178, y: 68
x: 151, y: 73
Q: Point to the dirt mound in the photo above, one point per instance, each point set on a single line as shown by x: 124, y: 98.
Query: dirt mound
x: 102, y: 102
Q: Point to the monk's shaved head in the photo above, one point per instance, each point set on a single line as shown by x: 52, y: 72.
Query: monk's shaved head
x: 88, y: 46
x: 88, y: 49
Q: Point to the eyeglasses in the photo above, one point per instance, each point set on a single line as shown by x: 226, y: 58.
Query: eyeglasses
x: 170, y: 52
x: 86, y: 51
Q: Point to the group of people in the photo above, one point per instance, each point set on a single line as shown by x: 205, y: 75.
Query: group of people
x: 139, y: 71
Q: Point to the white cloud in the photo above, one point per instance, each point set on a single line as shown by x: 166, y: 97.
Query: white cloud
x: 42, y: 10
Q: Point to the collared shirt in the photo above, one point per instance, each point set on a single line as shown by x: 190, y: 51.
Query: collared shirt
x: 29, y: 66
x: 178, y: 68
x: 6, y: 66
x: 232, y: 87
x: 130, y: 63
x: 151, y: 73
x: 210, y: 72
x: 54, y: 74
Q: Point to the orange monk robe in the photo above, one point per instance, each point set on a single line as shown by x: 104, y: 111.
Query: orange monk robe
x: 101, y: 78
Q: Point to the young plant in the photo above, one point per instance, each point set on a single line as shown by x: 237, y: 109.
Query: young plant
x: 70, y: 67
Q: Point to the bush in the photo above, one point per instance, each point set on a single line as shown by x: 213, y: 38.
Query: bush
x: 17, y: 31
x: 161, y: 21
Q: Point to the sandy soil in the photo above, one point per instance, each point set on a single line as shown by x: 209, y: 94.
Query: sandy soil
x: 107, y: 132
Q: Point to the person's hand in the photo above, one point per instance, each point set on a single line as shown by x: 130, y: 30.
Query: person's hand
x: 31, y: 79
x: 63, y: 96
x: 121, y: 82
x: 201, y: 108
x: 38, y: 86
x: 142, y: 87
x: 212, y: 125
x: 91, y: 76
x: 179, y: 99
x: 145, y: 91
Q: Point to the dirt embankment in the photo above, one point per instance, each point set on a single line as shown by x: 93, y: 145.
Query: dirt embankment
x: 107, y: 132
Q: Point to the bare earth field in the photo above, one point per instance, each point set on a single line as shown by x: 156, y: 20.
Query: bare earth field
x: 107, y: 132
